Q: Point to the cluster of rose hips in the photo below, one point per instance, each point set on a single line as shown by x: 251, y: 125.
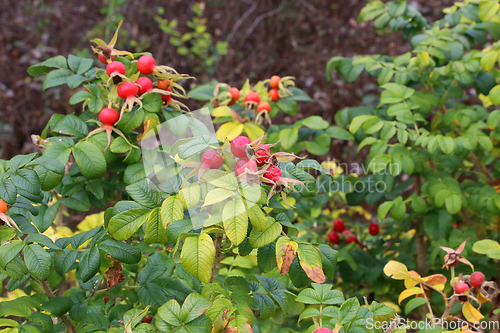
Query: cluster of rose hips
x: 475, y: 281
x: 239, y: 148
x: 339, y: 227
x: 252, y: 100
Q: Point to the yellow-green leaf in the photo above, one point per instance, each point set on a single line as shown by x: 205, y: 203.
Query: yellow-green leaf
x: 235, y: 220
x: 253, y: 131
x: 221, y: 111
x: 217, y: 195
x: 311, y: 261
x: 229, y: 130
x: 471, y: 313
x: 262, y: 238
x: 190, y: 195
x: 171, y: 210
x: 396, y: 270
x: 410, y: 292
x: 197, y: 256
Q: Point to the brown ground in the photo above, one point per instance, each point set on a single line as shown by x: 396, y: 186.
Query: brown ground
x: 298, y: 40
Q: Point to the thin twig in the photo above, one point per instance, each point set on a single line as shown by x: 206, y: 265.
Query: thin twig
x: 427, y: 300
x: 242, y: 19
x: 50, y: 294
x: 262, y: 17
x: 308, y: 6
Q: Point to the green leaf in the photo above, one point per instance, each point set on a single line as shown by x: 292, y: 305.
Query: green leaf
x: 262, y: 238
x: 27, y: 180
x: 453, y: 203
x: 152, y: 103
x: 235, y: 221
x: 337, y: 132
x: 56, y: 78
x: 120, y: 251
x: 155, y: 231
x: 8, y: 191
x: 89, y: 264
x: 299, y: 95
x: 330, y: 257
x: 90, y: 159
x: 197, y: 256
x: 10, y: 251
x: 42, y: 68
x: 79, y: 65
x: 349, y: 72
x: 190, y: 195
x: 371, y: 11
x: 217, y: 195
x: 170, y: 312
x: 289, y: 137
x: 357, y: 122
x: 50, y: 172
x: 79, y: 97
x: 203, y: 92
x: 75, y: 80
x: 487, y: 9
x: 320, y: 145
x: 78, y: 201
x: 495, y: 95
x: 321, y: 294
x: 38, y: 261
x: 58, y: 305
x: 485, y: 245
x: 42, y: 240
x: 447, y: 144
x: 143, y: 193
x: 315, y: 122
x: 438, y: 224
x: 311, y: 262
x: 171, y: 210
x: 414, y: 303
x: 288, y: 106
x: 348, y: 310
x: 194, y: 306
x: 257, y: 218
x: 124, y: 225
x: 266, y: 257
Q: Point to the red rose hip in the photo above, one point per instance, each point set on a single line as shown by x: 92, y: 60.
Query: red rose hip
x: 146, y: 64
x: 323, y: 330
x: 275, y: 81
x: 262, y: 155
x: 245, y: 164
x: 338, y: 225
x: 109, y: 116
x: 212, y: 159
x: 333, y: 237
x: 476, y: 279
x: 127, y: 90
x: 252, y: 97
x: 239, y: 146
x: 145, y: 85
x: 3, y: 207
x: 264, y: 106
x: 115, y: 67
x: 273, y: 173
x: 460, y: 288
x: 102, y: 59
x: 352, y: 239
x: 235, y: 93
x: 374, y: 229
x: 274, y: 94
